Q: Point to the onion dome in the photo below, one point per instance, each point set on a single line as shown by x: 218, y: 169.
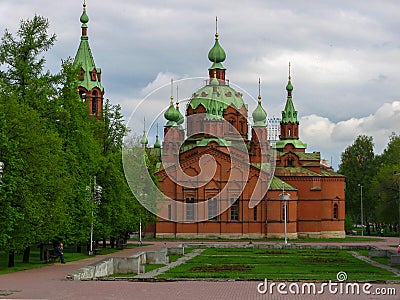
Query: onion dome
x: 144, y: 141
x: 171, y: 114
x: 259, y: 114
x: 216, y: 54
x: 289, y: 86
x: 214, y: 81
x: 157, y: 143
x: 84, y: 17
x: 289, y: 114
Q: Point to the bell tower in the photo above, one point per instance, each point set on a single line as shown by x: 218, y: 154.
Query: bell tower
x: 90, y: 89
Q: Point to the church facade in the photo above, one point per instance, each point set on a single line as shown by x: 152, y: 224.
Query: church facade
x: 298, y: 198
x: 220, y: 175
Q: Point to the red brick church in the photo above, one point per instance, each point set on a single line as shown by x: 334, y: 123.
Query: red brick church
x: 217, y: 126
x: 219, y: 183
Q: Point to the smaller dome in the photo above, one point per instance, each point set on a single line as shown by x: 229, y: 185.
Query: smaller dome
x: 144, y: 141
x: 214, y: 81
x: 157, y: 143
x: 171, y: 114
x: 259, y: 115
x: 289, y: 86
x: 84, y: 17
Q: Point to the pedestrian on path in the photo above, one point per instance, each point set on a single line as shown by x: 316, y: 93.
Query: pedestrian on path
x: 59, y: 252
x: 398, y: 249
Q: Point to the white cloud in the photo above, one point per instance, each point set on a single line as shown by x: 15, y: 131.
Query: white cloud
x: 330, y: 138
x: 343, y: 53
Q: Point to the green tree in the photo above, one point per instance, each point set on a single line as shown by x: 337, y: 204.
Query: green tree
x: 359, y: 167
x: 23, y: 61
x: 385, y: 184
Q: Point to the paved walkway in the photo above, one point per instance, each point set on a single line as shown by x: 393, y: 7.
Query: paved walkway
x: 49, y: 283
x: 376, y: 264
x: 179, y: 261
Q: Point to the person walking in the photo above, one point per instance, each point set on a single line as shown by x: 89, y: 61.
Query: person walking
x: 59, y: 252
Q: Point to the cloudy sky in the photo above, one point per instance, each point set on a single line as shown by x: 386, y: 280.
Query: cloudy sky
x: 344, y: 55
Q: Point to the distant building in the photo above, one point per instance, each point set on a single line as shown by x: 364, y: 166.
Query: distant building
x: 316, y: 207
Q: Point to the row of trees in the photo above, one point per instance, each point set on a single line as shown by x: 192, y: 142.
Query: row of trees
x: 378, y: 175
x: 52, y: 149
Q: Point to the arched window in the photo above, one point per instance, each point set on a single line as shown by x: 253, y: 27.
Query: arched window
x: 212, y: 209
x: 235, y: 211
x: 290, y: 161
x: 335, y: 211
x: 94, y: 103
x: 232, y: 122
x: 190, y: 209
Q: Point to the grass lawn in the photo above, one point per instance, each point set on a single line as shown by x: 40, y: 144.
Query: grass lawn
x: 70, y: 254
x: 34, y: 260
x: 277, y: 264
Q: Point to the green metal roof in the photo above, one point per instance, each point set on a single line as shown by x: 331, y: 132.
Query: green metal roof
x: 304, y: 155
x: 216, y: 53
x: 259, y: 115
x: 289, y: 114
x: 216, y: 99
x: 276, y: 185
x: 172, y: 115
x: 325, y: 172
x: 84, y: 58
x: 219, y: 141
x: 295, y: 171
x: 296, y: 143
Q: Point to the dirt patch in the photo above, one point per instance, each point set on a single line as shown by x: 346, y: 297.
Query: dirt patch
x: 222, y: 268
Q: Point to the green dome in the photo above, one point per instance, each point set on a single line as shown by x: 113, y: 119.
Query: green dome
x: 214, y: 82
x: 216, y: 98
x: 157, y: 143
x: 172, y: 115
x: 144, y: 140
x: 84, y: 17
x: 216, y: 54
x: 289, y: 86
x: 259, y: 115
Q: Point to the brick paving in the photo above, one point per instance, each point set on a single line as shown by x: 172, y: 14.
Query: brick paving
x: 49, y: 283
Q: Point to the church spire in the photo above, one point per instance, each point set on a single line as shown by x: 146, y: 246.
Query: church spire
x: 181, y: 119
x: 217, y: 55
x: 172, y: 114
x: 90, y: 87
x: 157, y: 143
x: 290, y: 122
x: 289, y: 114
x: 84, y: 20
x: 259, y: 114
x: 144, y: 141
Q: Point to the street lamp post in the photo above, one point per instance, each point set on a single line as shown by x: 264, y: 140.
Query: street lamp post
x: 284, y: 198
x: 362, y: 217
x: 398, y: 225
x: 1, y: 172
x: 95, y: 198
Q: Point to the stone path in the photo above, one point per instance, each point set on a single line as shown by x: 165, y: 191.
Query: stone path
x: 179, y: 261
x: 375, y: 263
x: 49, y: 283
